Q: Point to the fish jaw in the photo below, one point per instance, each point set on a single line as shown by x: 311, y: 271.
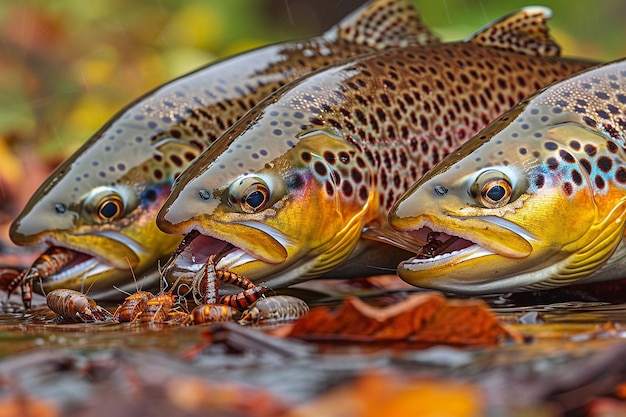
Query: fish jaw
x: 484, y: 246
x: 307, y: 228
x: 554, y: 204
x: 110, y: 255
x: 485, y: 258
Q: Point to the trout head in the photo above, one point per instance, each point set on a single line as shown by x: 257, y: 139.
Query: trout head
x: 101, y: 203
x: 286, y: 205
x: 530, y: 202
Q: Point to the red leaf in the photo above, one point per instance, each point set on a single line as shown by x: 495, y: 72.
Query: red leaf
x: 423, y: 318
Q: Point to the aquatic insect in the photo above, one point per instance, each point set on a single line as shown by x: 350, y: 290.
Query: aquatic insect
x: 8, y: 278
x: 206, y: 285
x: 300, y: 187
x: 101, y: 202
x: 75, y: 306
x: 158, y: 309
x: 53, y: 260
x: 132, y: 306
x: 278, y: 309
x: 534, y: 201
x: 212, y: 313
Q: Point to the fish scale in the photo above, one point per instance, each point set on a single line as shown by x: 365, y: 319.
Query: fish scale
x: 348, y: 140
x: 553, y: 207
x: 101, y: 202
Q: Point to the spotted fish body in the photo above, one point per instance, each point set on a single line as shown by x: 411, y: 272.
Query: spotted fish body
x: 288, y: 191
x: 537, y: 199
x: 102, y: 201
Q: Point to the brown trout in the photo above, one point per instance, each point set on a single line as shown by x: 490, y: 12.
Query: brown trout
x: 536, y: 200
x: 286, y: 193
x: 102, y: 201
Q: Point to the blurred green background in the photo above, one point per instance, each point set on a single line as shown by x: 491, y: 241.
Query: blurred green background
x: 66, y: 66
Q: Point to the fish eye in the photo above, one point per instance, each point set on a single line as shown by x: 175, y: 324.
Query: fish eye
x: 255, y: 198
x: 492, y: 189
x: 250, y: 194
x: 110, y: 208
x: 105, y: 204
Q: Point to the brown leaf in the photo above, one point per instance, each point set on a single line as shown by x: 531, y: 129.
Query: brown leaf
x: 424, y: 318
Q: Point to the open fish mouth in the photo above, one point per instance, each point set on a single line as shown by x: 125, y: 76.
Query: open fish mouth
x: 449, y: 246
x: 441, y: 247
x: 196, y: 248
x: 67, y: 264
x: 235, y: 243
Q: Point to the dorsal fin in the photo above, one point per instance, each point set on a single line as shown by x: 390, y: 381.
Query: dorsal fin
x: 523, y: 31
x: 383, y: 24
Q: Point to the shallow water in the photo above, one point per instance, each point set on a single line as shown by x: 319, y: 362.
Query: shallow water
x: 564, y: 346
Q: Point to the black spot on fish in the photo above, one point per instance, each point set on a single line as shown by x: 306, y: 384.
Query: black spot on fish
x: 589, y: 121
x: 320, y: 168
x: 602, y: 95
x: 567, y: 188
x: 551, y: 146
x: 566, y: 156
x: 620, y: 175
x: 590, y: 150
x: 330, y: 189
x: 176, y: 160
x: 599, y: 181
x: 552, y: 163
x: 347, y: 189
x: 605, y: 164
x: 363, y: 193
x: 585, y: 163
x: 329, y: 157
x: 602, y: 114
x: 540, y: 181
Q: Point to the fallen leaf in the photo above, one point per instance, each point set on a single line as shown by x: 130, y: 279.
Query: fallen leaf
x: 195, y: 395
x: 424, y: 318
x: 27, y: 406
x: 606, y: 407
x: 620, y: 391
x: 375, y: 394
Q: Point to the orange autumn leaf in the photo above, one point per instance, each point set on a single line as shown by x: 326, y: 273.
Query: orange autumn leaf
x: 423, y: 318
x: 374, y: 394
x: 620, y: 391
x: 27, y: 406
